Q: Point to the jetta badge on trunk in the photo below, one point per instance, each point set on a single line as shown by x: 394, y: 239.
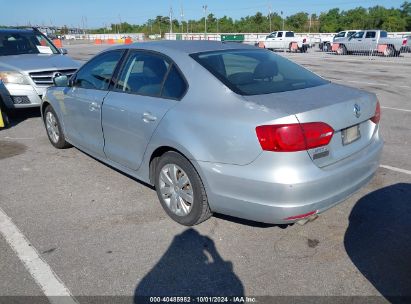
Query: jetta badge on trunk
x: 357, y: 111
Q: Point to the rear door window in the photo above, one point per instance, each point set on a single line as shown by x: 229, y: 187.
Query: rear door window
x: 358, y: 35
x: 175, y: 85
x: 143, y: 74
x: 370, y: 35
x: 289, y: 34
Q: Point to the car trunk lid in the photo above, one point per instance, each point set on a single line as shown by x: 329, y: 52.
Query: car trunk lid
x: 346, y: 110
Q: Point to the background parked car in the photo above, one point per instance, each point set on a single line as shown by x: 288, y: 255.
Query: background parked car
x: 284, y: 40
x: 369, y: 41
x: 28, y: 62
x: 326, y: 44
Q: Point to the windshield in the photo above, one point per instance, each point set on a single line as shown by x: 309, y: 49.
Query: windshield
x: 257, y: 72
x: 25, y: 43
x: 340, y: 35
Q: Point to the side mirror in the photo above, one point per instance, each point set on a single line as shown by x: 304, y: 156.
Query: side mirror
x: 61, y: 80
x: 63, y: 51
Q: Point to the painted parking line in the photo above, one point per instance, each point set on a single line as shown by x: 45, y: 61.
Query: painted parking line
x: 396, y: 169
x: 52, y: 287
x: 396, y: 109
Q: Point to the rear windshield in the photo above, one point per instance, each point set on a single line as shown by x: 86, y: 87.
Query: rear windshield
x: 257, y: 72
x: 25, y: 43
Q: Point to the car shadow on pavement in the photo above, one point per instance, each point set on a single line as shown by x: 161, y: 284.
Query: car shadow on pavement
x: 21, y: 115
x: 191, y: 266
x: 378, y: 240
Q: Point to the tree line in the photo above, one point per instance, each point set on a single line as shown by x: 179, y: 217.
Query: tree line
x: 334, y: 20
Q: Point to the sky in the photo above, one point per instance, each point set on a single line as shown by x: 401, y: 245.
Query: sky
x: 98, y: 13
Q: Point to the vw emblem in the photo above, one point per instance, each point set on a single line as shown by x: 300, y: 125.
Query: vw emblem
x: 357, y: 111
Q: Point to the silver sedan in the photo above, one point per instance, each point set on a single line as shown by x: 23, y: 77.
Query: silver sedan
x: 219, y: 127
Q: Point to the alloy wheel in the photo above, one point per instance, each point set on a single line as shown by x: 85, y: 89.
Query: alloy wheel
x: 176, y: 189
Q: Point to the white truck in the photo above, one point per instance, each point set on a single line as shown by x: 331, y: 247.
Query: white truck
x: 327, y: 42
x: 369, y: 41
x: 284, y: 40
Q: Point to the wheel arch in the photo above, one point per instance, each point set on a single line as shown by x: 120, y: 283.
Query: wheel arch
x: 44, y: 106
x: 160, y: 151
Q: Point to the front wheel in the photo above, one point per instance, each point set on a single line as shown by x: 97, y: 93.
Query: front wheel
x: 54, y: 129
x: 180, y: 190
x: 342, y: 50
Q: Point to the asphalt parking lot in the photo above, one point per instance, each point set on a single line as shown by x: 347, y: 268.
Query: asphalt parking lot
x: 103, y: 233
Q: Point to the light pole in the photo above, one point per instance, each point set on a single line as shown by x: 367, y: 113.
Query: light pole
x: 309, y: 29
x: 205, y: 21
x: 171, y: 21
x: 282, y: 18
x: 182, y: 19
x: 269, y: 16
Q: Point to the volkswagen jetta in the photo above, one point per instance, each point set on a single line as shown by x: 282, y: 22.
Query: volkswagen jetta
x: 219, y: 127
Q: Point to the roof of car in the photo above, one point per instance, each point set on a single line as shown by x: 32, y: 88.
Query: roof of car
x: 12, y: 31
x: 188, y: 46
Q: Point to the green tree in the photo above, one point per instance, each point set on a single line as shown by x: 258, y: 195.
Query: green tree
x: 297, y: 22
x: 330, y: 21
x: 406, y: 14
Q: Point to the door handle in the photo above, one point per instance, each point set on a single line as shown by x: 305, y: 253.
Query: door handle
x: 94, y: 106
x: 148, y: 117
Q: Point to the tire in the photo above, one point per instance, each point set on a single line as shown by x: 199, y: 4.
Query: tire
x: 186, y: 212
x: 327, y: 47
x: 390, y: 51
x: 54, y: 130
x: 342, y: 50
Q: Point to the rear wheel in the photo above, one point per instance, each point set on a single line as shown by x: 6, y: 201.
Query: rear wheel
x: 180, y: 190
x: 390, y: 51
x: 54, y: 130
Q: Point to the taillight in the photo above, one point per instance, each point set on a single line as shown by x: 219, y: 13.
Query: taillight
x: 377, y: 116
x: 294, y: 137
x: 404, y: 42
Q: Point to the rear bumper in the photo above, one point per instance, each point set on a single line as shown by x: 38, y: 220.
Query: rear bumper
x: 278, y: 186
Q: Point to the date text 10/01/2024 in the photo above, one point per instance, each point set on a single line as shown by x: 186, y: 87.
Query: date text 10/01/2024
x: 193, y: 300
